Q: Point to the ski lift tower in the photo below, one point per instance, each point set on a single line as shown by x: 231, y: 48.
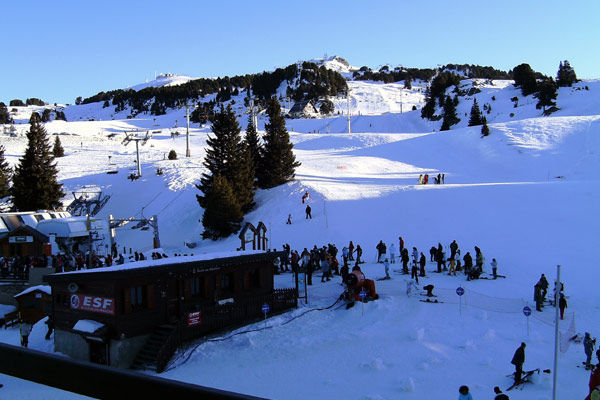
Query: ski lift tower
x: 187, y: 131
x: 131, y: 137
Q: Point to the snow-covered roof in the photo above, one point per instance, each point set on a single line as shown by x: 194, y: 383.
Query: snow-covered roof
x: 165, y: 261
x: 42, y: 288
x: 64, y: 227
x: 87, y: 326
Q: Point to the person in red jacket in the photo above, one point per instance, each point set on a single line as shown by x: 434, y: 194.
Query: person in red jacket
x: 594, y: 381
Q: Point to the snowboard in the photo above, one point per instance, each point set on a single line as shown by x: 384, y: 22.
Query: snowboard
x: 524, y: 378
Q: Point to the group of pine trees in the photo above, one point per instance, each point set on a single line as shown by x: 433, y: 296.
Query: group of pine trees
x: 237, y: 167
x: 34, y: 181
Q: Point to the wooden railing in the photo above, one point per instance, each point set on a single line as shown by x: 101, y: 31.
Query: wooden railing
x: 219, y: 317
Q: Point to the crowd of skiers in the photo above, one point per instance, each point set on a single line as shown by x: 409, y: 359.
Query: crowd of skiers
x: 451, y: 263
x: 439, y: 179
x: 540, y: 289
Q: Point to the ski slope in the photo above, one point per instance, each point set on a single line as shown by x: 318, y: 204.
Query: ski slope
x: 527, y: 195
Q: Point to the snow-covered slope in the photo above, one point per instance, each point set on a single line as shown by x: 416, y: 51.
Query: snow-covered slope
x: 527, y: 195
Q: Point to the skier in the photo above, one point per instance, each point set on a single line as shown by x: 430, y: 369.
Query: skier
x: 468, y: 263
x: 415, y: 273
x: 326, y: 267
x: 425, y: 179
x: 452, y: 269
x: 415, y: 255
x: 400, y: 243
x: 443, y: 178
x: 405, y: 260
x: 345, y: 253
x: 494, y: 265
x: 588, y: 347
x: 351, y: 251
x: 453, y: 249
x: 289, y: 220
x: 537, y: 296
x: 358, y: 254
x: 544, y: 285
x: 381, y: 250
x: 518, y: 360
x: 594, y: 383
x: 386, y: 264
x: 392, y: 253
x: 479, y: 259
x: 308, y: 216
x: 421, y: 179
x: 464, y: 393
x: 432, y: 253
x: 422, y: 263
x: 562, y: 304
x: 499, y: 394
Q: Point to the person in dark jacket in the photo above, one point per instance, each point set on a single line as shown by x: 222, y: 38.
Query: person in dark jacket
x: 432, y: 253
x: 422, y: 263
x: 562, y: 304
x: 381, y: 250
x: 544, y: 286
x: 468, y: 263
x: 453, y: 249
x: 588, y: 347
x: 308, y: 209
x: 537, y: 296
x: 518, y: 360
x: 358, y: 254
x: 405, y: 260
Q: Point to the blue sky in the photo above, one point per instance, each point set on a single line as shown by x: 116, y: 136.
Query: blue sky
x: 60, y: 50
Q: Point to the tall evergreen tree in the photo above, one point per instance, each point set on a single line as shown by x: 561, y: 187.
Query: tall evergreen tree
x: 58, y: 150
x: 5, y: 115
x: 450, y: 117
x: 408, y: 82
x: 278, y: 162
x: 222, y: 214
x: 524, y: 78
x: 5, y: 173
x: 45, y: 115
x: 229, y: 157
x: 566, y: 75
x: 476, y: 118
x: 35, y: 184
x: 546, y: 94
x: 35, y: 117
x: 253, y: 143
x: 485, y: 130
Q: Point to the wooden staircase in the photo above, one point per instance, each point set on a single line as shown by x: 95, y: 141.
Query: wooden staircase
x: 158, y: 349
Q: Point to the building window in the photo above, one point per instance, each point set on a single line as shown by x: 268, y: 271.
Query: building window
x: 198, y: 287
x: 227, y: 282
x: 138, y: 298
x: 255, y: 278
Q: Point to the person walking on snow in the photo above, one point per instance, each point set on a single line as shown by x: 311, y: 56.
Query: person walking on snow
x: 464, y: 393
x: 422, y: 263
x: 588, y: 347
x: 494, y: 265
x: 386, y: 264
x: 400, y: 244
x: 358, y: 254
x: 351, y: 251
x: 289, y: 220
x: 518, y: 360
x: 544, y: 285
x: 562, y: 304
x: 308, y: 209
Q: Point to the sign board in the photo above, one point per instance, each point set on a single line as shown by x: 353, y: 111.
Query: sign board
x: 266, y: 308
x: 194, y: 318
x: 83, y: 302
x: 526, y: 311
x: 20, y: 239
x: 460, y: 291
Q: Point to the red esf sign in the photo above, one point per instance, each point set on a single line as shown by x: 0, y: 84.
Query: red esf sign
x: 104, y: 305
x: 194, y: 318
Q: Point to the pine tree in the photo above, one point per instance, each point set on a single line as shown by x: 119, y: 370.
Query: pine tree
x: 253, y: 144
x: 546, y: 94
x: 476, y: 118
x: 58, y: 150
x: 4, y: 115
x: 229, y: 157
x: 485, y: 131
x: 35, y: 184
x: 450, y: 117
x: 35, y: 118
x: 45, y: 115
x: 566, y: 75
x: 524, y: 78
x: 408, y: 82
x: 278, y: 163
x: 5, y: 173
x: 222, y: 214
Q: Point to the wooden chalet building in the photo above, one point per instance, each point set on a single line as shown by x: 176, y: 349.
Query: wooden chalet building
x: 136, y: 314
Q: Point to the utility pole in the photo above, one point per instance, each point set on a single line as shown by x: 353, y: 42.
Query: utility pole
x: 349, y: 123
x: 187, y: 131
x: 558, y: 287
x: 137, y: 152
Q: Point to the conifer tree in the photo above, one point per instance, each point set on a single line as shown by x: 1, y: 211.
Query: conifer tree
x: 4, y: 115
x: 5, y: 173
x: 253, y: 143
x: 485, y: 130
x: 45, y: 115
x: 222, y: 214
x: 35, y: 184
x: 476, y: 118
x: 450, y: 117
x: 546, y: 94
x: 566, y: 75
x: 524, y: 78
x: 278, y: 162
x: 35, y: 117
x: 228, y: 157
x: 408, y: 82
x: 58, y: 150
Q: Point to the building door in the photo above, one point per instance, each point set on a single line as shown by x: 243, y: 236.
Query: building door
x: 98, y: 352
x: 173, y: 294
